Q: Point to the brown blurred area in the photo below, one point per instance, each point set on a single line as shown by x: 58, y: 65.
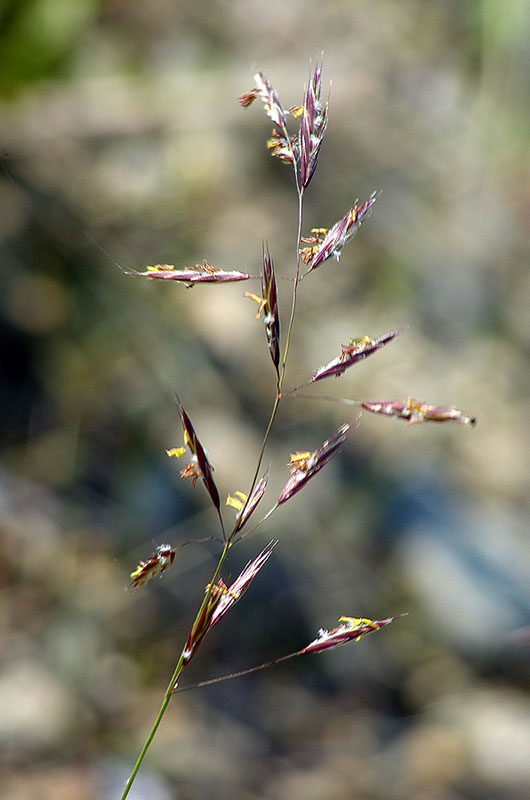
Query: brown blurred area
x: 122, y: 143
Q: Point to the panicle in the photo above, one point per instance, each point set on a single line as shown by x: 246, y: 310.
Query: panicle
x: 415, y: 411
x: 312, y: 126
x: 350, y: 629
x: 200, y: 273
x: 156, y: 564
x: 305, y: 465
x: 356, y: 350
x: 327, y: 243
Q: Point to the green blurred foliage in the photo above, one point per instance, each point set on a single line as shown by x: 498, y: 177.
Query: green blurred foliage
x: 37, y: 37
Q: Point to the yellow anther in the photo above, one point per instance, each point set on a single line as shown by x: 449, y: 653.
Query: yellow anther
x: 261, y: 301
x: 176, y: 451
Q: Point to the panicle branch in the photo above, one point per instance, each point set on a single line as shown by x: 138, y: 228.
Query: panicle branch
x: 350, y: 629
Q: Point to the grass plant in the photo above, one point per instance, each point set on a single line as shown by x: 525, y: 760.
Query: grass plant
x: 299, y: 149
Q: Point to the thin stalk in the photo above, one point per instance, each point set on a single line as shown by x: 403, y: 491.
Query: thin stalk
x: 344, y: 400
x: 239, y: 674
x: 132, y: 776
x: 295, y: 287
x: 260, y: 457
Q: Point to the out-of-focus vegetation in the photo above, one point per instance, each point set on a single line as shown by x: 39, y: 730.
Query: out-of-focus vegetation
x: 122, y: 141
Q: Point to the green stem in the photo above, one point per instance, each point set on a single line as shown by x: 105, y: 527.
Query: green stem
x: 144, y: 749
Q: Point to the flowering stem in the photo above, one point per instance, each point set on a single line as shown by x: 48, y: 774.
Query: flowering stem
x: 228, y: 540
x: 174, y: 678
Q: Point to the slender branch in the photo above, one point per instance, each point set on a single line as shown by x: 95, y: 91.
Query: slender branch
x: 344, y: 400
x: 295, y: 286
x: 237, y: 674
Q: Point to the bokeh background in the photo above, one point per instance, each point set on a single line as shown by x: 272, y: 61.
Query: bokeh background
x: 122, y: 142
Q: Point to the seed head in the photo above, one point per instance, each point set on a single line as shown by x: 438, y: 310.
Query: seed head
x: 156, y: 564
x: 357, y: 350
x: 350, y: 629
x: 332, y: 242
x: 304, y: 465
x: 200, y: 273
x: 415, y: 411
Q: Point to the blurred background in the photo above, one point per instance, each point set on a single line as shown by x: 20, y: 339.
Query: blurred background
x: 122, y: 143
